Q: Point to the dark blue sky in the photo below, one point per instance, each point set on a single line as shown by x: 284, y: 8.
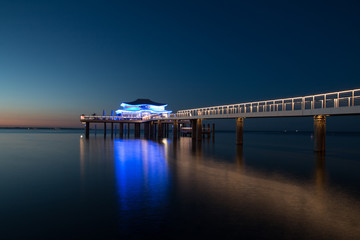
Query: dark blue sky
x: 61, y: 59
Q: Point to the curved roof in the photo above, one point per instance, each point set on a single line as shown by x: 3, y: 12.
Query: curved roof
x: 142, y: 101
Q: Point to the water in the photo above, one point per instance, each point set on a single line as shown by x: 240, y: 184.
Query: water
x: 58, y: 185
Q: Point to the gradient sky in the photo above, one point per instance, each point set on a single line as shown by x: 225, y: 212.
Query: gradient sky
x: 59, y: 59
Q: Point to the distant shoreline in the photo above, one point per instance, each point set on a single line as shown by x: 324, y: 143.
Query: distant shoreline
x: 41, y: 128
x: 219, y: 131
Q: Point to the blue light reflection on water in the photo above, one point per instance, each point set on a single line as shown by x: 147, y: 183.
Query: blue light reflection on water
x: 142, y: 180
x: 126, y: 188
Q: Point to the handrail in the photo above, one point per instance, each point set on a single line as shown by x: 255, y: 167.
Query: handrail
x: 338, y: 99
x: 119, y: 118
x: 347, y: 98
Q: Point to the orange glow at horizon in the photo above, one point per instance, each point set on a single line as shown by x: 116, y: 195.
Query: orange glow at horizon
x: 38, y: 119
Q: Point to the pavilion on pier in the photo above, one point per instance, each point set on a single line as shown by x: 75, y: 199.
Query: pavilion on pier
x: 142, y: 109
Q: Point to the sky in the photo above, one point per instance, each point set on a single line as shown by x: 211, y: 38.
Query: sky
x: 61, y: 59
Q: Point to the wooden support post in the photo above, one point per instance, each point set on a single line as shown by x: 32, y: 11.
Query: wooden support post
x: 213, y: 130
x: 152, y: 129
x: 104, y: 130
x: 239, y: 130
x: 112, y: 130
x: 128, y: 130
x: 319, y: 133
x: 146, y: 130
x: 240, y: 157
x: 209, y: 129
x: 160, y: 130
x: 137, y: 130
x: 155, y: 130
x: 87, y: 130
x: 199, y: 129
x: 121, y: 130
x: 175, y: 129
x: 193, y: 128
x: 320, y: 170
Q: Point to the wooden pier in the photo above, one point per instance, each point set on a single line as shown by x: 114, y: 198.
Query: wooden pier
x: 189, y: 122
x: 155, y: 128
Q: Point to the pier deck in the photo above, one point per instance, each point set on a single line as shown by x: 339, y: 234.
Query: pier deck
x: 318, y: 106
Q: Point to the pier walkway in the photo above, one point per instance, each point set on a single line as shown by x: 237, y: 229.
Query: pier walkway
x: 329, y: 104
x: 318, y: 106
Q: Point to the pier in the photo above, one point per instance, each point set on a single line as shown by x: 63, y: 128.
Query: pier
x: 318, y: 106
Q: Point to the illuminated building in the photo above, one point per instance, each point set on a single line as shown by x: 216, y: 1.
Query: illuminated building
x: 142, y: 109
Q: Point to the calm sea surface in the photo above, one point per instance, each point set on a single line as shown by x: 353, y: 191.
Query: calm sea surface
x: 58, y: 185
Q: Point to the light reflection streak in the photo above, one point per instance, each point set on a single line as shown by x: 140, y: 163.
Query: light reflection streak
x: 142, y: 176
x: 82, y: 158
x: 320, y: 171
x: 268, y: 198
x: 240, y: 162
x: 142, y: 179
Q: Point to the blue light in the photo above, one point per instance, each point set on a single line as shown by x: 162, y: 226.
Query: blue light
x: 142, y: 180
x: 142, y: 110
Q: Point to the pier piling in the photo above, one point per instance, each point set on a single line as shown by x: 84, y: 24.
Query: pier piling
x: 199, y: 129
x: 193, y: 129
x: 160, y: 130
x: 121, y: 130
x: 213, y: 130
x: 137, y: 130
x: 239, y: 130
x: 146, y: 130
x: 175, y: 129
x: 319, y: 133
x: 152, y: 129
x: 87, y: 130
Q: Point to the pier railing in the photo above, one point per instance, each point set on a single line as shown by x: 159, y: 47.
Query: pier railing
x: 104, y: 118
x: 118, y: 118
x: 334, y: 103
x: 333, y: 100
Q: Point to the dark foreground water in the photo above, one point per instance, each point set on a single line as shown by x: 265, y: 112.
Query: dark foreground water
x: 58, y: 185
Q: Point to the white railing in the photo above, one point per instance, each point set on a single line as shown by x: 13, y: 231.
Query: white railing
x: 92, y: 117
x: 119, y: 118
x: 340, y: 99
